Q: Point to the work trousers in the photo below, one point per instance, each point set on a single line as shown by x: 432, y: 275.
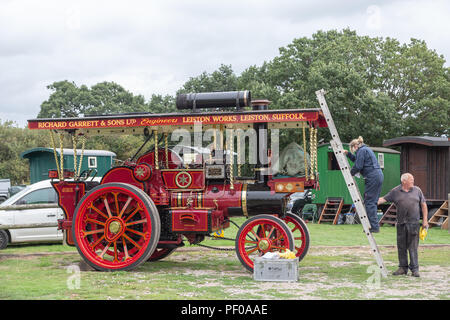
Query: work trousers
x: 372, y: 191
x: 408, y: 242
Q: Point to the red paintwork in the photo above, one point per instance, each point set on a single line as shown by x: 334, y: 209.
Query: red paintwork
x: 69, y: 193
x: 271, y: 237
x: 193, y: 179
x: 123, y: 174
x: 300, y: 240
x: 90, y: 222
x: 196, y: 220
x: 155, y: 120
x: 142, y: 172
x: 222, y: 200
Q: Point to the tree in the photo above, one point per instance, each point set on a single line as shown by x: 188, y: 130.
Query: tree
x: 16, y: 140
x: 375, y: 87
x: 110, y: 98
x: 161, y: 104
x: 67, y: 100
x: 222, y: 79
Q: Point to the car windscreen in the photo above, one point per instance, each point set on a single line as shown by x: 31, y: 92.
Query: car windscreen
x: 13, y: 199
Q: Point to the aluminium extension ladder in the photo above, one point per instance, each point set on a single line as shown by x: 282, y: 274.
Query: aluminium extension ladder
x: 338, y: 149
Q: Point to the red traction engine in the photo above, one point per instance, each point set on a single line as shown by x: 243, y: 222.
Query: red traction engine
x: 151, y: 205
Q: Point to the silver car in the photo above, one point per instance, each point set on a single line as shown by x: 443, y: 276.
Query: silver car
x: 36, y: 204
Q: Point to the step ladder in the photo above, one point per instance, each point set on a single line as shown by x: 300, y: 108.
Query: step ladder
x: 440, y: 217
x: 389, y: 216
x: 331, y: 210
x: 338, y: 149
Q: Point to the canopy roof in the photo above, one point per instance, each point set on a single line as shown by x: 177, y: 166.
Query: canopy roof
x: 375, y: 149
x: 424, y: 140
x: 70, y: 152
x: 137, y: 122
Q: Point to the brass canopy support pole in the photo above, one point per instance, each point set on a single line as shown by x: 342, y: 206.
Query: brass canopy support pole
x: 304, y: 151
x: 83, y: 142
x: 52, y: 139
x: 61, y: 157
x: 74, y: 145
x: 230, y: 148
x: 239, y: 152
x: 155, y: 137
x: 313, y: 151
x: 166, y: 143
x: 214, y: 145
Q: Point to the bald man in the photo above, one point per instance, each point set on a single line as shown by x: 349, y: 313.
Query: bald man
x: 408, y: 200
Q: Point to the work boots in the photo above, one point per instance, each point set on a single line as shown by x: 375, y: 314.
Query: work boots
x: 415, y: 273
x: 400, y: 272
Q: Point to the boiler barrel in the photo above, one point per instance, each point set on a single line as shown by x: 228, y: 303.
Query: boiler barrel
x: 258, y: 199
x: 226, y: 99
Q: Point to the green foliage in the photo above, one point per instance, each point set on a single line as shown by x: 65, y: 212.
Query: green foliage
x: 161, y: 104
x: 222, y: 79
x: 375, y: 87
x: 110, y: 98
x: 67, y: 100
x: 15, y: 141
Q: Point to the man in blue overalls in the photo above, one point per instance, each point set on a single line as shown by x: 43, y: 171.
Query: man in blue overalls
x: 366, y: 163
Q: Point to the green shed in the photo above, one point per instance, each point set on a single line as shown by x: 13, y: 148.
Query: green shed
x: 332, y: 183
x: 42, y: 160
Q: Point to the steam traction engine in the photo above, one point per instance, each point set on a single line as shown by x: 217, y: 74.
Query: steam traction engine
x: 145, y: 208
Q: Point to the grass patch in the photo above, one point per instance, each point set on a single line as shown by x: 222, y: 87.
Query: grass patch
x: 342, y: 235
x: 327, y: 272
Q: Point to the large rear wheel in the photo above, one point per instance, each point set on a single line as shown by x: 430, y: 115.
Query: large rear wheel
x: 116, y: 226
x: 259, y: 235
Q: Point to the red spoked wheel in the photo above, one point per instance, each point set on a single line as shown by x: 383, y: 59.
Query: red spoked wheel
x: 300, y: 232
x: 161, y: 253
x: 116, y: 226
x: 259, y: 235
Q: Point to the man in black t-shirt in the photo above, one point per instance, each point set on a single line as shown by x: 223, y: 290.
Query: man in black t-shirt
x: 409, y: 200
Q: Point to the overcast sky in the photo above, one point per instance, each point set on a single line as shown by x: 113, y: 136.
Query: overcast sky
x: 153, y: 47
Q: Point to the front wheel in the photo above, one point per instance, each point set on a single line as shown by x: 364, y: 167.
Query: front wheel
x: 259, y: 235
x: 4, y: 239
x: 116, y: 226
x: 301, y: 234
